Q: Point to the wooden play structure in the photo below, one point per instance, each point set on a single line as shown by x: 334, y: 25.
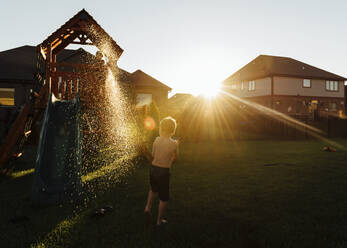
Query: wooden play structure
x: 63, y: 80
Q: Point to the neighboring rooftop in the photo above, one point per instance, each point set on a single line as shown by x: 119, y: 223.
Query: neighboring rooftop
x: 142, y: 79
x: 179, y: 96
x: 20, y: 63
x: 266, y: 65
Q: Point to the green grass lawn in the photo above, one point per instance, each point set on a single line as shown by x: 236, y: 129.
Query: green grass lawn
x: 242, y: 194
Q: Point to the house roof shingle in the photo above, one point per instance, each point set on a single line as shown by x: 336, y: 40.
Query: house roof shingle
x: 20, y: 63
x: 180, y: 96
x: 142, y: 79
x: 266, y: 65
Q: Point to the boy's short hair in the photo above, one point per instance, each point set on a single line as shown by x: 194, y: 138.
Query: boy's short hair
x: 168, y: 125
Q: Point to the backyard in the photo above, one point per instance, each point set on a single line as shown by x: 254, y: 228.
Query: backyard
x: 223, y: 194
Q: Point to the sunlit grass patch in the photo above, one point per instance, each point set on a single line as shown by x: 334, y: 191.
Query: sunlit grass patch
x: 107, y: 169
x: 59, y: 233
x: 22, y: 173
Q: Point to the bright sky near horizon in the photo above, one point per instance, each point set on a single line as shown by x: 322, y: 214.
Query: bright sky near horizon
x: 193, y: 45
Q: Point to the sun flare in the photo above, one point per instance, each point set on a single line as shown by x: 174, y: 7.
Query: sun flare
x: 210, y: 94
x: 208, y: 90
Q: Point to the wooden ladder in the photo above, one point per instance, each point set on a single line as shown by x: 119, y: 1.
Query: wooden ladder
x: 22, y: 128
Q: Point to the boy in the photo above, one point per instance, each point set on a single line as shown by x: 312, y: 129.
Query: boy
x: 164, y: 152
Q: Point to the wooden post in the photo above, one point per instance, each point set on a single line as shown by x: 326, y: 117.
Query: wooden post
x: 63, y: 87
x: 55, y: 86
x: 48, y: 70
x: 75, y: 85
x: 68, y: 86
x: 81, y: 85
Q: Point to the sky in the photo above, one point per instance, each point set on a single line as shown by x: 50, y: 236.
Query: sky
x: 192, y: 46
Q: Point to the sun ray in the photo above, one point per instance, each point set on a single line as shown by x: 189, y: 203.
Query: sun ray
x: 314, y: 132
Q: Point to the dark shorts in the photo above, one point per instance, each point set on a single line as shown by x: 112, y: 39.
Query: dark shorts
x: 159, y: 179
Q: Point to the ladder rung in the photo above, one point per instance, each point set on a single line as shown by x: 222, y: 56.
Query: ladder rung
x: 27, y: 133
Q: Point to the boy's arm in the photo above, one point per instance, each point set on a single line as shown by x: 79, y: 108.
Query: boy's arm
x: 148, y: 156
x: 144, y: 151
x: 175, y: 155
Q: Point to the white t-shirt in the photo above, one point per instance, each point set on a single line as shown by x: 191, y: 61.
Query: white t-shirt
x: 164, y: 150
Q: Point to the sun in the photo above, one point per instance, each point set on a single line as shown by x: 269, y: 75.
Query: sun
x: 201, y: 81
x: 208, y: 91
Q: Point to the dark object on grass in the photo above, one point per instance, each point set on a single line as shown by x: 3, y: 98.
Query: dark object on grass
x: 329, y: 149
x: 99, y: 212
x: 108, y: 208
x: 163, y: 223
x: 102, y: 211
x: 19, y: 219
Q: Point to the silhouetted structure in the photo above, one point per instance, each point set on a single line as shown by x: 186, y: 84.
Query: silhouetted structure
x: 29, y: 75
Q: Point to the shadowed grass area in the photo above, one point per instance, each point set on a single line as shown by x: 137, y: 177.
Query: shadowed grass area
x: 242, y: 194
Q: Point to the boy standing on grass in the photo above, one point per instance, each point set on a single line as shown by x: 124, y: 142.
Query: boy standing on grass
x: 164, y: 152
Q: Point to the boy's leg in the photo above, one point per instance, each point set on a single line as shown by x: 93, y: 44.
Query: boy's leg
x: 161, y: 210
x: 150, y: 198
x: 164, y: 196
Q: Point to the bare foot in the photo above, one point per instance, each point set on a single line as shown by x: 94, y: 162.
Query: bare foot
x: 162, y: 222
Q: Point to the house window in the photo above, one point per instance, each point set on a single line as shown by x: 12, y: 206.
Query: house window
x: 7, y: 96
x: 233, y: 86
x: 251, y: 85
x: 332, y: 106
x: 306, y: 83
x: 241, y: 85
x: 143, y: 99
x: 332, y: 85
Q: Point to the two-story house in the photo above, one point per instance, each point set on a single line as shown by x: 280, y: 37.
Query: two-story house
x: 288, y: 86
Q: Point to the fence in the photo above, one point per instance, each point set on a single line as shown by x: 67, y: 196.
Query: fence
x: 253, y: 125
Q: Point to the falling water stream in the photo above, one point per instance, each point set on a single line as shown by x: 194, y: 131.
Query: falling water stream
x: 109, y: 147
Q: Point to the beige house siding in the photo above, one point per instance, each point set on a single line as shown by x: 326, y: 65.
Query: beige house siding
x: 262, y: 88
x: 294, y: 87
